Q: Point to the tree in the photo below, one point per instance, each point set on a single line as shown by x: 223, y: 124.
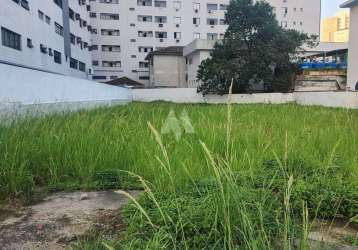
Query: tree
x: 255, y: 49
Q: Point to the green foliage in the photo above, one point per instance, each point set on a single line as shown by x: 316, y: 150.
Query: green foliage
x: 225, y: 202
x: 328, y: 191
x: 255, y: 50
x: 195, y: 220
x: 115, y: 179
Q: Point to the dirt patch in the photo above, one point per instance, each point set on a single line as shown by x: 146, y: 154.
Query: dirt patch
x: 333, y: 235
x: 59, y: 219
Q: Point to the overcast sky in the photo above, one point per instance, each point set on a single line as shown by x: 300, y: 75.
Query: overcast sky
x: 329, y: 7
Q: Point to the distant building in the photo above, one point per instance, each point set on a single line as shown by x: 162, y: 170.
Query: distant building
x: 52, y: 35
x: 336, y: 29
x: 125, y: 31
x: 167, y: 68
x: 352, y: 80
x: 194, y: 53
x: 178, y: 66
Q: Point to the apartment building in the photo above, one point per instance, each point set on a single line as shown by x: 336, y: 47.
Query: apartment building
x: 336, y: 29
x: 51, y: 35
x: 125, y: 31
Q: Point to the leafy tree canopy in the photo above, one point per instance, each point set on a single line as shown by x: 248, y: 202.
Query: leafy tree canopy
x: 255, y: 49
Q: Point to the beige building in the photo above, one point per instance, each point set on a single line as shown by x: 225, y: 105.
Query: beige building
x: 336, y: 29
x: 167, y: 68
x: 352, y: 80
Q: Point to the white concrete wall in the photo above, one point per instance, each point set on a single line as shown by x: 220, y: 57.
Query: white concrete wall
x: 328, y: 99
x: 21, y: 87
x: 353, y: 49
x: 190, y: 95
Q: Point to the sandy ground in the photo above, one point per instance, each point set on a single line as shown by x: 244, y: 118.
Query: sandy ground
x: 58, y: 220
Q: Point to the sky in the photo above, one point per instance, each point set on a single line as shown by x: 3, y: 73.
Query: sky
x: 329, y: 7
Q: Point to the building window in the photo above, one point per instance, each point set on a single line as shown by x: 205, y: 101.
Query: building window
x: 47, y: 19
x: 71, y: 14
x: 143, y: 65
x: 82, y: 66
x: 212, y: 36
x: 109, y: 32
x: 160, y: 19
x: 161, y: 4
x: 58, y: 29
x: 145, y: 18
x: 57, y: 57
x: 144, y: 2
x: 25, y: 4
x: 111, y: 48
x: 99, y: 78
x: 73, y: 63
x: 95, y: 63
x: 72, y: 39
x: 29, y: 43
x: 196, y: 20
x: 10, y: 39
x: 111, y: 64
x: 109, y: 16
x: 41, y: 15
x: 58, y: 3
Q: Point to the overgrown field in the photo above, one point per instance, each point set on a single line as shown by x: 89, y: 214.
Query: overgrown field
x: 247, y: 177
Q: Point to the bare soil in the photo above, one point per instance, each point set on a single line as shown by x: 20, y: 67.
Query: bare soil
x: 59, y: 219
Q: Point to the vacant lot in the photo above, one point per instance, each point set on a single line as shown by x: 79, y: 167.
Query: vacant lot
x: 239, y: 177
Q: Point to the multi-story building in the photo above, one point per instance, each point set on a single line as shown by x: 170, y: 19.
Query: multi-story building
x: 336, y: 29
x: 51, y: 35
x: 125, y: 31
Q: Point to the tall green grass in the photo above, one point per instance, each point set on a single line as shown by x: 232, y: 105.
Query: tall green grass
x: 250, y: 177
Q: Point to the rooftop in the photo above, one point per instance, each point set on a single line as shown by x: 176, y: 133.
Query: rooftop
x: 125, y: 81
x: 349, y: 4
x: 168, y: 51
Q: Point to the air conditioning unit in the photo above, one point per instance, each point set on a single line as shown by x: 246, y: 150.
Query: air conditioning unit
x: 50, y: 53
x: 178, y: 41
x: 161, y: 40
x: 210, y: 11
x: 78, y: 16
x: 196, y: 25
x: 212, y: 26
x: 196, y: 11
x: 88, y: 7
x: 90, y: 71
x: 160, y: 25
x: 177, y: 25
x: 79, y: 40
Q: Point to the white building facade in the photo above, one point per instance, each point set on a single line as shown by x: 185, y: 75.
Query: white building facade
x: 51, y: 35
x: 126, y: 31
